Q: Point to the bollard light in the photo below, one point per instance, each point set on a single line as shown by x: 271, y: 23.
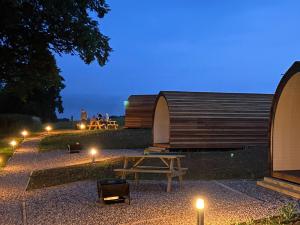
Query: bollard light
x: 13, y: 144
x: 200, y: 211
x: 24, y: 133
x: 82, y: 126
x: 48, y: 128
x: 93, y: 153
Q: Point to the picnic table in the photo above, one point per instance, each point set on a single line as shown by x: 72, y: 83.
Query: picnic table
x: 112, y: 124
x: 170, y: 169
x: 96, y: 125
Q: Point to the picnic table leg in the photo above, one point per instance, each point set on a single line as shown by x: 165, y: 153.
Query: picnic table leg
x: 125, y: 167
x: 180, y: 177
x: 136, y: 177
x: 169, y: 186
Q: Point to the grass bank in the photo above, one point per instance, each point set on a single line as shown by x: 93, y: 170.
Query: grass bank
x: 287, y: 215
x: 242, y: 164
x: 103, y: 139
x: 6, y: 150
x: 63, y: 175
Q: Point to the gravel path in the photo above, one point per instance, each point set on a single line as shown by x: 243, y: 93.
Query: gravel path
x: 76, y: 204
x: 14, y: 177
x: 227, y: 201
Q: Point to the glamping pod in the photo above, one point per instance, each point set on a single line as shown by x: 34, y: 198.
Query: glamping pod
x: 210, y: 120
x: 285, y: 127
x: 139, y: 111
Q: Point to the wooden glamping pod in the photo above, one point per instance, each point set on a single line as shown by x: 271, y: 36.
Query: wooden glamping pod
x: 192, y: 120
x: 285, y: 127
x: 139, y: 111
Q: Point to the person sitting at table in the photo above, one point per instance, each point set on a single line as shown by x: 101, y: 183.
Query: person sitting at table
x: 83, y: 116
x: 99, y: 117
x: 106, y: 117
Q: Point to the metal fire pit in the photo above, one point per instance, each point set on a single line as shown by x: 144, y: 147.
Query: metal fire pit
x: 113, y: 191
x: 74, y: 148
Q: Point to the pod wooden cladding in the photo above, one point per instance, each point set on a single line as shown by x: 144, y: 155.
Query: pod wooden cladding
x: 285, y: 127
x: 211, y: 120
x: 139, y: 111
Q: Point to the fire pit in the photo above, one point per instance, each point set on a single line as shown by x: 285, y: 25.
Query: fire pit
x: 74, y: 148
x: 113, y: 191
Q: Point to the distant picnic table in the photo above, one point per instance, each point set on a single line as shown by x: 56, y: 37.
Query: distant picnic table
x: 169, y: 167
x: 101, y: 124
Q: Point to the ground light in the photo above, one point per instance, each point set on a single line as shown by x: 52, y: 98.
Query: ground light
x: 24, y: 133
x: 13, y: 144
x: 93, y: 153
x: 200, y: 211
x: 82, y: 126
x: 48, y: 128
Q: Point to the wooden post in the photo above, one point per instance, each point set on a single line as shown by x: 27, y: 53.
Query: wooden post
x: 180, y: 177
x: 125, y: 167
x: 136, y: 177
x: 169, y: 186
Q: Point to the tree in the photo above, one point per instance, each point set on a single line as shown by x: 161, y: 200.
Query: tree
x: 31, y: 31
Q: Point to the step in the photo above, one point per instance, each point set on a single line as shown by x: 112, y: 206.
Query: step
x: 280, y: 189
x: 282, y: 183
x: 155, y: 149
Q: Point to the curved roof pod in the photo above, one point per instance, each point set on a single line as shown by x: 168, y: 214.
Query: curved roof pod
x: 285, y: 127
x: 211, y: 120
x: 139, y: 111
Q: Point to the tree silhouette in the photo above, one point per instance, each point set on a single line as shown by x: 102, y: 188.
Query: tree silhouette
x: 31, y: 31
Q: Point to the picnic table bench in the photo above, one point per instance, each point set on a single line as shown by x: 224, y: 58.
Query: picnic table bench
x: 169, y: 168
x: 112, y: 124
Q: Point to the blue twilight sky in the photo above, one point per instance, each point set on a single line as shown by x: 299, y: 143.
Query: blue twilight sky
x: 191, y: 45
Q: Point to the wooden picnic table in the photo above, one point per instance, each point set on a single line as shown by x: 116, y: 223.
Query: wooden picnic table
x: 170, y: 169
x: 97, y: 125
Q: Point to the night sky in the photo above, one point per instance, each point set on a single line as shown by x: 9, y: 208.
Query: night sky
x: 211, y: 45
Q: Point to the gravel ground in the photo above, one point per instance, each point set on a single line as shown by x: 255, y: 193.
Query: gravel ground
x: 14, y: 177
x: 75, y: 203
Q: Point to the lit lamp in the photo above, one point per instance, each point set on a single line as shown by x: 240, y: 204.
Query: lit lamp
x: 24, y: 133
x: 48, y: 128
x: 82, y: 126
x: 93, y: 153
x: 13, y: 144
x: 200, y: 211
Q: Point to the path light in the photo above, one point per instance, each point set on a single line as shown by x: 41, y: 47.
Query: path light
x: 24, y: 133
x: 200, y: 211
x: 93, y: 153
x: 48, y: 128
x: 13, y: 144
x: 82, y: 126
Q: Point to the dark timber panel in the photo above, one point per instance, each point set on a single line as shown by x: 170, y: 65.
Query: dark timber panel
x: 217, y: 120
x: 139, y: 112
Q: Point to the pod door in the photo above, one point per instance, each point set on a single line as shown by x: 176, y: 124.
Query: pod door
x: 285, y: 132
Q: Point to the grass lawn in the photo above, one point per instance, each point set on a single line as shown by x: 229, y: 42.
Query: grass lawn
x: 6, y: 150
x: 207, y: 165
x: 109, y: 139
x: 62, y: 175
x: 287, y: 215
x: 241, y: 164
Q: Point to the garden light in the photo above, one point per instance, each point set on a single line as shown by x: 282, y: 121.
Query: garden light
x: 48, y: 128
x: 24, y: 133
x: 93, y: 153
x: 200, y: 211
x: 13, y: 143
x: 82, y: 126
